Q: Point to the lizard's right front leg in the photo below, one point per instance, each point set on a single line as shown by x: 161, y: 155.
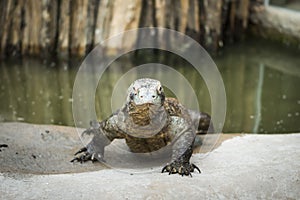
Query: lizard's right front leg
x: 94, y: 151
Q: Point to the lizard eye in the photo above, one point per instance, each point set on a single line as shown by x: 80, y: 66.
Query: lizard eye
x: 134, y: 91
x: 159, y: 89
x: 132, y: 96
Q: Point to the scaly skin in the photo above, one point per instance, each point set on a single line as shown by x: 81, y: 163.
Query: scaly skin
x: 148, y: 122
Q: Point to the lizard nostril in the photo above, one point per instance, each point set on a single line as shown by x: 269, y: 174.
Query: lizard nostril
x: 153, y: 96
x: 141, y: 96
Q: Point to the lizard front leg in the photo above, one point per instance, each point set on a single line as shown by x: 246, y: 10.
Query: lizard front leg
x: 182, y: 150
x: 95, y: 149
x: 103, y: 134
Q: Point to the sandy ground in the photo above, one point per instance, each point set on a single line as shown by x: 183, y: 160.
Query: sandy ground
x: 35, y: 165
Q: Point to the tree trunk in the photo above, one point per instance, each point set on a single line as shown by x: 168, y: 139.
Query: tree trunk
x: 73, y: 27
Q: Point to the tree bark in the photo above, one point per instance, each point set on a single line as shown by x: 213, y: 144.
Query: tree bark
x: 73, y: 27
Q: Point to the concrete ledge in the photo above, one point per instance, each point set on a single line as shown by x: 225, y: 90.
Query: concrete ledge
x: 244, y: 167
x: 48, y: 149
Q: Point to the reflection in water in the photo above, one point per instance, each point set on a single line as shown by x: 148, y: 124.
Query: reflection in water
x: 35, y: 92
x: 257, y: 117
x: 260, y: 79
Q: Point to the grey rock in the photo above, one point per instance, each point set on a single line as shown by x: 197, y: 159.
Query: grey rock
x: 244, y: 167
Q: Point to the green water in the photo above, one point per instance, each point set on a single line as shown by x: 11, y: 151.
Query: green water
x: 261, y: 80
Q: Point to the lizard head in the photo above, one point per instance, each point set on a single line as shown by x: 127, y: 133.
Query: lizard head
x: 145, y: 106
x: 146, y: 91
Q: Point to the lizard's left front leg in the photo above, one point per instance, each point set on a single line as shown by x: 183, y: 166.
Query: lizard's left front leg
x: 182, y: 150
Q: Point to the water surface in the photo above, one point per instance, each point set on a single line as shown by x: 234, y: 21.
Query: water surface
x: 261, y: 81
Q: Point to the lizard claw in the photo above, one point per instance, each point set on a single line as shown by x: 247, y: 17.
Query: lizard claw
x: 83, y: 158
x: 84, y: 149
x: 195, y: 167
x: 86, y: 156
x: 180, y: 168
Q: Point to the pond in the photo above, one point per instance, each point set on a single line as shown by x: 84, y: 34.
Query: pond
x: 261, y: 81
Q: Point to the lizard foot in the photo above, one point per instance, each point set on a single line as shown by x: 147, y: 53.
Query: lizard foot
x: 86, y: 156
x: 180, y: 168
